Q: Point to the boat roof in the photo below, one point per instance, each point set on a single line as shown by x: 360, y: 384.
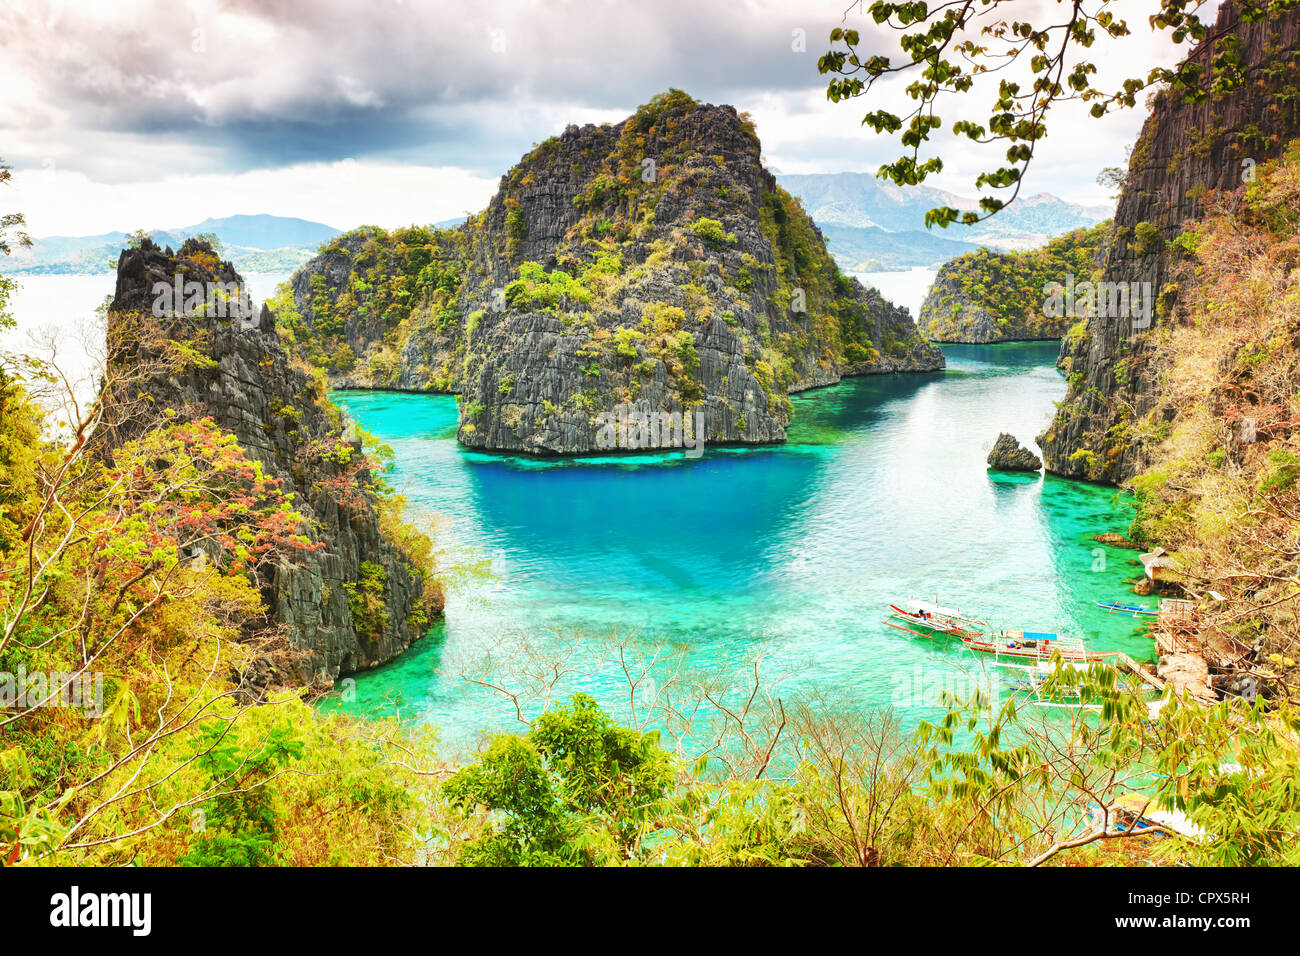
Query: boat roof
x: 1036, y: 636
x: 1066, y: 643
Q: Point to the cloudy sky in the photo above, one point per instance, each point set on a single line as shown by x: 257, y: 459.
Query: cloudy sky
x: 159, y: 113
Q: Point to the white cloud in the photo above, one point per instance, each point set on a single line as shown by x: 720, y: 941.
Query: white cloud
x: 343, y: 194
x: 150, y: 112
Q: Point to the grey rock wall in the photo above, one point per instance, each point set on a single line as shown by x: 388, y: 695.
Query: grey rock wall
x: 279, y: 414
x: 1184, y: 150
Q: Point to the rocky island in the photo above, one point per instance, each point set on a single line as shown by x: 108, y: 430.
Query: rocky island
x: 1009, y: 455
x: 985, y: 296
x: 651, y: 267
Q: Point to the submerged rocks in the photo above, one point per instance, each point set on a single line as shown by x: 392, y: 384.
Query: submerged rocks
x: 1116, y: 540
x: 1009, y: 455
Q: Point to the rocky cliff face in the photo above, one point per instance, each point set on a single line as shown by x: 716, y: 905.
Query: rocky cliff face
x: 1109, y: 418
x: 358, y: 601
x: 988, y: 296
x: 950, y: 314
x: 652, y: 268
x: 655, y: 267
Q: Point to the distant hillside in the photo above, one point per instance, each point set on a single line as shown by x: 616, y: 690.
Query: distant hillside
x: 872, y: 219
x: 267, y: 232
x: 987, y: 296
x: 872, y: 249
x: 253, y: 243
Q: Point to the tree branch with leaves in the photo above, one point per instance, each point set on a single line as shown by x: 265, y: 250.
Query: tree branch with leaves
x: 947, y: 48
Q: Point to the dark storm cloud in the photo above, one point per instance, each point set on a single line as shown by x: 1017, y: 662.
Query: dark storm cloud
x: 247, y: 84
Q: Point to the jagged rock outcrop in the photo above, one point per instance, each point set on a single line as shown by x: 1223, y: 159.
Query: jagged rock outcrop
x: 987, y: 296
x: 320, y: 282
x: 1102, y: 429
x: 1009, y: 455
x: 950, y: 315
x: 651, y: 266
x: 698, y: 286
x: 237, y: 372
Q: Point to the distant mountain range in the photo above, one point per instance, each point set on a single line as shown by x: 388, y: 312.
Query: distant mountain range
x: 257, y: 243
x: 869, y: 225
x: 872, y: 225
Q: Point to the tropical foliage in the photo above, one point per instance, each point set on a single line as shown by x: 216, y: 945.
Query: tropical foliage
x: 1220, y: 491
x: 396, y: 282
x: 1009, y: 289
x: 952, y: 49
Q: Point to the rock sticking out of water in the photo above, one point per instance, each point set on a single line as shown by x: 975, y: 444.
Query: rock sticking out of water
x: 1116, y: 540
x: 1009, y: 455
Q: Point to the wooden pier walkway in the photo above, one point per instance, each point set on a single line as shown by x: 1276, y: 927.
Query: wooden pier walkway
x: 1133, y: 667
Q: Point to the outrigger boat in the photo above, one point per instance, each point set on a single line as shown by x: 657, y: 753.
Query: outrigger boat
x: 1136, y: 812
x: 1134, y: 609
x: 926, y: 620
x: 1064, y: 691
x: 1039, y: 646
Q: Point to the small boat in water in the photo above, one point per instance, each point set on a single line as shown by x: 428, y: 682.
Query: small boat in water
x: 1040, y: 646
x: 926, y: 620
x: 1136, y: 610
x: 1118, y: 820
x: 1052, y: 684
x: 1138, y: 811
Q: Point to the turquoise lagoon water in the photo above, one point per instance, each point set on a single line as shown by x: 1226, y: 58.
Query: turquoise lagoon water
x: 790, y: 553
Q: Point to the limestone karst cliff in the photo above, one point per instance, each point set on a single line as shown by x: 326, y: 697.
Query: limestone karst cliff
x: 651, y: 266
x: 360, y: 598
x: 1109, y: 418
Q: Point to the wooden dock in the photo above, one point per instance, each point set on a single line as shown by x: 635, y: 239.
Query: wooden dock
x: 1133, y: 667
x: 1176, y: 630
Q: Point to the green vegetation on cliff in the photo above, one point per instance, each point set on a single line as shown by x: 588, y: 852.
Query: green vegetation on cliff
x: 652, y: 263
x: 1221, y: 491
x: 354, y: 306
x: 987, y: 296
x: 1206, y: 137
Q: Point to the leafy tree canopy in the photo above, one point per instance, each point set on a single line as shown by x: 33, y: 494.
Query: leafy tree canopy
x: 947, y: 46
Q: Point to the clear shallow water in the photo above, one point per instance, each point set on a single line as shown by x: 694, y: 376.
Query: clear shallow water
x: 792, y: 551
